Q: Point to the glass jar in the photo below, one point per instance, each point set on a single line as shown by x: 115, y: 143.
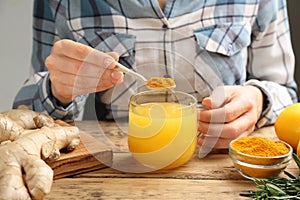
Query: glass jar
x: 162, y: 130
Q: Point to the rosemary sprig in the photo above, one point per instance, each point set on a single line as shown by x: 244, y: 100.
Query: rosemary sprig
x: 277, y: 188
x: 297, y: 160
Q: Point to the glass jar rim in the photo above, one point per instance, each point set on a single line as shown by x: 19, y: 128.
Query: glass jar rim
x: 133, y: 98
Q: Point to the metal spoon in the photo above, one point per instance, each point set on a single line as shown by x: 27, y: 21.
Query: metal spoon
x: 124, y: 69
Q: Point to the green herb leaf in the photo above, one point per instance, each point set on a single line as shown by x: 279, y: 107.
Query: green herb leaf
x: 297, y: 160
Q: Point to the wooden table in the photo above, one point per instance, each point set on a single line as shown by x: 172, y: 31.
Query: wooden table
x: 212, y: 177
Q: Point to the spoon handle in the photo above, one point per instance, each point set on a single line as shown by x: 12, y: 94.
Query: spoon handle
x: 124, y: 69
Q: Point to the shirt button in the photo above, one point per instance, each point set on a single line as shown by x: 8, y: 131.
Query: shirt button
x: 164, y: 26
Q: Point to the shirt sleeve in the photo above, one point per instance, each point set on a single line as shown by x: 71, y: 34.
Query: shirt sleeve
x: 271, y: 60
x: 36, y: 91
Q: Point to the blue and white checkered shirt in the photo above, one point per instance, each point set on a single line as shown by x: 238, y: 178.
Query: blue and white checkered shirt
x: 201, y: 44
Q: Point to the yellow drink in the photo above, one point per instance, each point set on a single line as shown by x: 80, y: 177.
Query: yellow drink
x: 162, y: 134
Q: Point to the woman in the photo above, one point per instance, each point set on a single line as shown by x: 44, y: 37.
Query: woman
x: 234, y: 56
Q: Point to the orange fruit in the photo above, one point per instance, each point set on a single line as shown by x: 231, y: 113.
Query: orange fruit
x: 298, y: 149
x: 287, y: 125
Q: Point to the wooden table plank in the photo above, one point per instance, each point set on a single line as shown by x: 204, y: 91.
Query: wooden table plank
x: 208, y: 178
x: 141, y: 188
x: 212, y: 167
x: 205, y: 169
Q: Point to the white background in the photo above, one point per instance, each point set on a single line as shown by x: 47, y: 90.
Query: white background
x: 15, y: 47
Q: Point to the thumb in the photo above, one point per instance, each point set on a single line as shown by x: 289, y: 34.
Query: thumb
x: 207, y: 102
x: 218, y: 98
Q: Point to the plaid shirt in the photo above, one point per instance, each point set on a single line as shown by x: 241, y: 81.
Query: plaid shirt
x: 200, y: 44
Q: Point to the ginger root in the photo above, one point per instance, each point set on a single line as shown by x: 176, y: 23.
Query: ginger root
x: 27, y: 139
x: 13, y: 122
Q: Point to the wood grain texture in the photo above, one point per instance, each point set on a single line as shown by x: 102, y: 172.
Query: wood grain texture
x: 82, y: 159
x: 141, y: 188
x: 89, y: 155
x: 212, y: 177
x: 192, y: 181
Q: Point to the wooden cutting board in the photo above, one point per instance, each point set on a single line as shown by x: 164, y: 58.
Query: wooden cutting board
x: 90, y: 154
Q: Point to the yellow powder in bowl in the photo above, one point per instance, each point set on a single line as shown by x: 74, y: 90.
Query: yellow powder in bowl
x: 259, y: 146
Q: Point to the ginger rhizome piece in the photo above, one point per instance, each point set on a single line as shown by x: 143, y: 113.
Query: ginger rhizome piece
x: 28, y: 138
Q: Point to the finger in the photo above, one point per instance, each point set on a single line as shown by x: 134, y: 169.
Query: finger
x: 114, y: 55
x: 215, y: 130
x: 230, y: 130
x: 207, y: 102
x: 72, y: 66
x: 212, y: 116
x: 80, y: 82
x: 107, y: 79
x: 68, y: 92
x: 218, y: 98
x: 57, y: 64
x: 209, y: 143
x: 228, y: 113
x: 83, y: 52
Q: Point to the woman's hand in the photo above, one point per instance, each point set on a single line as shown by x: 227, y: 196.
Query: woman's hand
x: 77, y: 69
x: 231, y: 111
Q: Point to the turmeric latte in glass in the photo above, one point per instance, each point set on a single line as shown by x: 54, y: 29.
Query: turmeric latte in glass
x: 162, y: 130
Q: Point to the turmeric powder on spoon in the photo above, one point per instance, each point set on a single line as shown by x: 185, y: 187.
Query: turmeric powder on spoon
x: 160, y: 82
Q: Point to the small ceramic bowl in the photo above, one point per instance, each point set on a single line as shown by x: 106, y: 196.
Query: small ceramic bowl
x: 259, y: 167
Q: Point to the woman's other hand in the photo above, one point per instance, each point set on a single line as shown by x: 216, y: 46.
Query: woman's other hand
x: 231, y: 111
